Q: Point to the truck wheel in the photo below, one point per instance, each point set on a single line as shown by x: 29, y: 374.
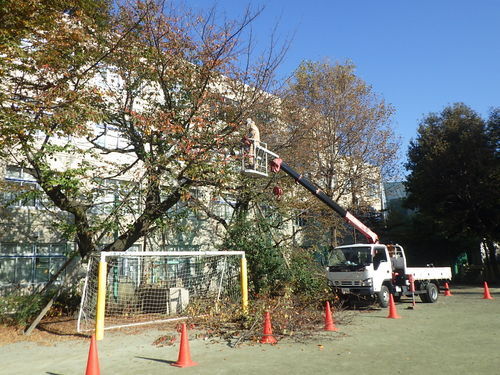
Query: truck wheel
x: 383, y: 296
x: 431, y: 294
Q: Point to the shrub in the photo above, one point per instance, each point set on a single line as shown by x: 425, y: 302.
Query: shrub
x: 18, y: 309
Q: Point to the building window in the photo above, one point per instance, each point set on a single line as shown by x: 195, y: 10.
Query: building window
x: 223, y: 207
x: 108, y: 136
x: 110, y: 193
x: 22, y: 188
x: 24, y: 264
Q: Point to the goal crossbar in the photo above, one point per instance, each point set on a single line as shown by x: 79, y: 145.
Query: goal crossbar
x: 108, y: 254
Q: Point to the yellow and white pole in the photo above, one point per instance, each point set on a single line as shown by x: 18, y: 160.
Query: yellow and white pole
x: 101, y: 300
x: 244, y: 284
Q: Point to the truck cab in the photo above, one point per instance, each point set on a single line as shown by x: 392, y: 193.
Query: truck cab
x: 360, y: 269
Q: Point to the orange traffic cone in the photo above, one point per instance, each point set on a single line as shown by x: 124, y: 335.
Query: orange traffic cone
x: 486, y: 291
x: 268, y: 337
x: 184, y: 359
x: 93, y: 360
x: 392, y: 308
x: 329, y: 326
x: 447, y: 292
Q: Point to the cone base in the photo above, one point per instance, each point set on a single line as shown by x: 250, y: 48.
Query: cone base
x: 394, y: 317
x: 331, y: 328
x: 268, y: 340
x: 188, y: 364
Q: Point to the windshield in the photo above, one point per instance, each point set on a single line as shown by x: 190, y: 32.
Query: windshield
x: 350, y: 256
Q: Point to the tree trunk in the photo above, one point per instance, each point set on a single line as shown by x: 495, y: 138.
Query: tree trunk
x: 490, y: 248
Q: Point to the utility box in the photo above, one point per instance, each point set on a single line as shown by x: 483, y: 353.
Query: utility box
x: 178, y: 300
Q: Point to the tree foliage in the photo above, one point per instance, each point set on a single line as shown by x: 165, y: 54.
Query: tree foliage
x: 267, y: 269
x: 339, y: 133
x: 454, y: 174
x: 20, y: 19
x: 121, y: 113
x: 274, y: 267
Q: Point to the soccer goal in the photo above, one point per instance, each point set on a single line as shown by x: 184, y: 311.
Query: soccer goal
x: 125, y: 289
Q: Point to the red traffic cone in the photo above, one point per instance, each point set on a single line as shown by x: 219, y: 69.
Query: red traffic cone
x: 487, y: 294
x: 184, y: 359
x: 447, y: 292
x: 392, y: 308
x: 93, y: 360
x: 268, y: 337
x: 329, y: 326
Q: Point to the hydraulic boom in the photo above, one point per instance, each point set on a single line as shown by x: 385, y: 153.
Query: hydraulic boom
x: 278, y: 164
x: 373, y: 269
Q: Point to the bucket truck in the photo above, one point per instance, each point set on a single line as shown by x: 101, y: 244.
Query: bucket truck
x: 369, y: 269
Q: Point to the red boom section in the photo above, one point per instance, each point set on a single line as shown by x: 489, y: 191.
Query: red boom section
x: 367, y: 232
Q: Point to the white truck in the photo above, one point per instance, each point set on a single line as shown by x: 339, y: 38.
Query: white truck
x: 371, y: 269
x: 375, y: 270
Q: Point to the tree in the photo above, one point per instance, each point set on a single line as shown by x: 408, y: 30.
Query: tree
x: 164, y: 85
x: 23, y: 18
x: 267, y: 268
x: 454, y: 176
x: 338, y: 132
x: 119, y: 112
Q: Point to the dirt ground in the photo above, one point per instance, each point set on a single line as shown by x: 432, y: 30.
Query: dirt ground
x: 457, y: 335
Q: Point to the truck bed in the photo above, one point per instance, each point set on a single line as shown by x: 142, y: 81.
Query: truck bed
x: 429, y: 273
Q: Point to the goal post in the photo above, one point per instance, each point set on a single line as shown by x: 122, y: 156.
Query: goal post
x: 124, y: 289
x: 101, y: 299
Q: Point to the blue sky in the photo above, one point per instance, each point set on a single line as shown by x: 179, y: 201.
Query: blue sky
x: 420, y: 56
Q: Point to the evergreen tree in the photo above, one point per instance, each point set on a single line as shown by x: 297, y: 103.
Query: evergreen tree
x: 454, y: 176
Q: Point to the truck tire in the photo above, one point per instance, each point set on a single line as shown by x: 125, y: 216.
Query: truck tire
x: 431, y: 293
x: 383, y: 296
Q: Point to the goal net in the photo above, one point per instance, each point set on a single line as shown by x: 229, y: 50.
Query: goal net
x: 135, y: 288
